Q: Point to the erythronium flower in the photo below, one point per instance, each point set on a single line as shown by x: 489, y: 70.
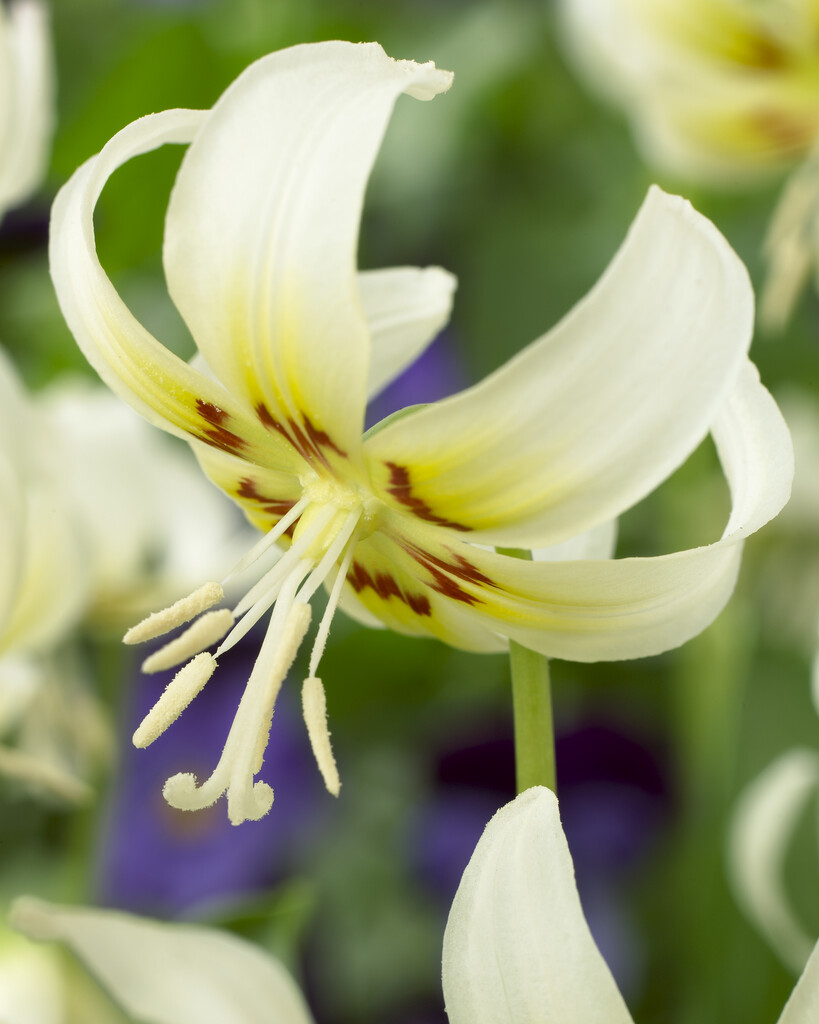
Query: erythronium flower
x: 517, y: 949
x: 26, y: 99
x: 723, y: 92
x: 260, y: 257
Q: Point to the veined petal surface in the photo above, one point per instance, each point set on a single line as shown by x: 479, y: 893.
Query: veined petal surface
x: 590, y: 418
x: 158, y: 384
x: 517, y: 949
x: 609, y: 609
x: 170, y: 973
x: 262, y: 232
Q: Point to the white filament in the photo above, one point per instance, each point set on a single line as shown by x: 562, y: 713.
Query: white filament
x: 237, y: 765
x: 332, y: 603
x: 269, y: 539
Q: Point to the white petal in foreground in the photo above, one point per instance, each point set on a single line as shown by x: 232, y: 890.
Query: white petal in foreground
x: 594, y: 415
x: 764, y: 821
x: 170, y: 973
x: 517, y: 949
x: 803, y: 1005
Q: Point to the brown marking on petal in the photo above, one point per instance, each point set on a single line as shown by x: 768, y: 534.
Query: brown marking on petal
x: 212, y: 413
x: 765, y: 52
x: 320, y: 438
x: 400, y: 488
x: 249, y: 490
x: 308, y: 440
x: 784, y: 130
x: 442, y: 572
x: 386, y: 586
x: 219, y: 436
x: 419, y: 603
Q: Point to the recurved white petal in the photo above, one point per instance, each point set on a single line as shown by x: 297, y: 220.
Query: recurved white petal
x: 590, y: 418
x: 612, y: 609
x: 158, y: 384
x: 405, y: 308
x: 262, y: 231
x: 803, y: 1005
x: 26, y: 99
x: 169, y: 973
x: 517, y: 949
x: 763, y: 824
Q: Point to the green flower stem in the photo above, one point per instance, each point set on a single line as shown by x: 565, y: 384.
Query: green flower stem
x: 532, y: 710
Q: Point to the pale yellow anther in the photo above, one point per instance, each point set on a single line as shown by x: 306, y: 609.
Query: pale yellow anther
x: 211, y: 627
x: 314, y: 705
x: 183, y: 610
x: 176, y: 696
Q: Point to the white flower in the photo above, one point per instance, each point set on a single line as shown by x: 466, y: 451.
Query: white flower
x: 26, y: 99
x: 260, y: 256
x: 517, y: 949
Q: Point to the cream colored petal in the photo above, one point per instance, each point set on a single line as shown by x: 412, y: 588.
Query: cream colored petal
x: 764, y: 820
x: 262, y: 233
x: 591, y: 417
x: 405, y: 309
x: 169, y: 973
x: 159, y: 385
x: 27, y: 102
x: 517, y: 949
x: 598, y: 542
x: 803, y: 1005
x: 611, y: 609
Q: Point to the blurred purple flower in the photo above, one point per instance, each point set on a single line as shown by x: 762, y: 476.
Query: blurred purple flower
x: 614, y: 800
x: 434, y: 375
x: 161, y: 861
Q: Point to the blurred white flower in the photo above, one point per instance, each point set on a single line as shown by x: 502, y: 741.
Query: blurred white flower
x: 132, y: 489
x: 94, y: 500
x: 517, y: 949
x: 43, y: 591
x: 719, y: 91
x: 27, y: 102
x: 762, y: 830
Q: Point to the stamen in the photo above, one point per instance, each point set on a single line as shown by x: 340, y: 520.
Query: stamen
x: 176, y: 696
x: 262, y: 595
x: 184, y: 609
x: 332, y: 603
x: 268, y: 540
x: 241, y: 756
x: 282, y: 567
x: 314, y: 706
x: 211, y: 627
